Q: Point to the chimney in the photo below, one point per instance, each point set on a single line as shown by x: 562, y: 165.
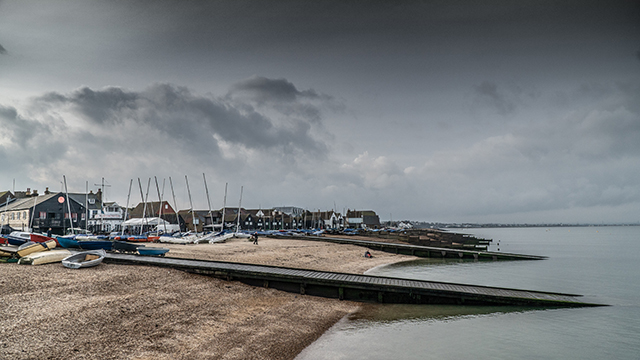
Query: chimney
x: 46, y: 191
x: 35, y: 192
x: 28, y: 192
x: 99, y: 195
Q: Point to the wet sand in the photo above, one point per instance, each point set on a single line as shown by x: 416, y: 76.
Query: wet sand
x: 134, y: 312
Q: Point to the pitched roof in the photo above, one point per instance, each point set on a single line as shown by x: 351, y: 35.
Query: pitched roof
x: 27, y: 203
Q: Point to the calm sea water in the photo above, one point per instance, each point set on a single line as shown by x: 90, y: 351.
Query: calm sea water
x: 601, y: 263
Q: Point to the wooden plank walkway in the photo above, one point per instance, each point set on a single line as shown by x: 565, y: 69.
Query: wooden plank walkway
x: 357, y: 287
x: 421, y: 251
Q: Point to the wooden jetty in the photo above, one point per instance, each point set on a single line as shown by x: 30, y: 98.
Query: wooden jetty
x: 421, y: 251
x: 355, y: 287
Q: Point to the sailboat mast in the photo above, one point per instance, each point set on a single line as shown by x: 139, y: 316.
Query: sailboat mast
x: 126, y: 209
x: 224, y: 205
x: 86, y: 208
x: 193, y: 214
x: 206, y: 189
x: 33, y: 212
x: 68, y: 204
x: 144, y: 212
x: 144, y: 206
x: 175, y: 203
x: 160, y: 211
x: 239, y: 209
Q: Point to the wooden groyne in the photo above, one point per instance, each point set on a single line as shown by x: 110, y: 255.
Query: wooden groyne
x: 363, y: 288
x: 429, y: 237
x: 421, y: 251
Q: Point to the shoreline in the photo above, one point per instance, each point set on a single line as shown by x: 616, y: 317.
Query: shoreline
x: 135, y: 312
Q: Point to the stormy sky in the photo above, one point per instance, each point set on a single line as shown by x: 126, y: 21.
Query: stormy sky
x: 454, y: 111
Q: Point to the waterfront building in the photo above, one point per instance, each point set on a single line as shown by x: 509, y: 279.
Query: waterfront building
x: 41, y: 212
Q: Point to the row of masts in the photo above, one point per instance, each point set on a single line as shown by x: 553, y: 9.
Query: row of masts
x: 145, y: 197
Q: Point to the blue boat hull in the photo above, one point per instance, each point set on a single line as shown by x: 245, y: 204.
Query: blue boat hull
x: 95, y: 245
x: 66, y: 242
x: 149, y: 251
x: 15, y: 241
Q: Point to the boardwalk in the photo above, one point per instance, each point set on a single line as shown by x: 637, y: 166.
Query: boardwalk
x: 356, y: 287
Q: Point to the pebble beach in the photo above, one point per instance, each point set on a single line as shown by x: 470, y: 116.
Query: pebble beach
x: 136, y: 312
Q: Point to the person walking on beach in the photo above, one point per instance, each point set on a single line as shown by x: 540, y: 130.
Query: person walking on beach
x: 255, y: 238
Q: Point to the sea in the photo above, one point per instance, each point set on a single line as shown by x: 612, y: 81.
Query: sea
x: 602, y: 263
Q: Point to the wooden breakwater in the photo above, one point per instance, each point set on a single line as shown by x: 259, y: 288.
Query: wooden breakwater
x: 430, y: 237
x: 419, y: 250
x: 355, y: 287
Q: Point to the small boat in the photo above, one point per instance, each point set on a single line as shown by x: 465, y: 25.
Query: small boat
x: 188, y: 239
x: 44, y: 257
x: 84, y: 259
x: 125, y: 247
x: 21, y: 237
x: 152, y: 251
x: 18, y: 237
x: 95, y: 244
x: 139, y: 238
x: 27, y: 248
x: 3, y: 240
x: 68, y: 241
x: 221, y: 238
x: 8, y: 250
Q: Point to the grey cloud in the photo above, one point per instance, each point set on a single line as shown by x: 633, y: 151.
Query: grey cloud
x: 487, y: 93
x: 17, y: 128
x: 282, y: 96
x: 98, y: 106
x: 178, y: 113
x: 2, y: 50
x: 262, y: 89
x: 638, y: 55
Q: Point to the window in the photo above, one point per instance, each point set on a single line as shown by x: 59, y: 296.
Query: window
x: 74, y: 216
x: 66, y: 216
x: 43, y: 214
x: 24, y: 214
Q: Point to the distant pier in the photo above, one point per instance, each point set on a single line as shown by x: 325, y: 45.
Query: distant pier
x: 354, y: 287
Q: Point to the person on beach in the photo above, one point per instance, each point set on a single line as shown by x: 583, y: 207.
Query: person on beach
x: 367, y: 254
x: 255, y: 238
x: 49, y: 232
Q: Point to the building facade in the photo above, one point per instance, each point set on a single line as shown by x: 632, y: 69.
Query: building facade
x: 39, y: 213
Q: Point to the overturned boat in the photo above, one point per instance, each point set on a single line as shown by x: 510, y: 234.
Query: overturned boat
x: 44, y: 257
x: 84, y: 259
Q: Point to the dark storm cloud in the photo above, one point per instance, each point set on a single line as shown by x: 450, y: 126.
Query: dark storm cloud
x: 262, y: 89
x: 98, y: 106
x: 283, y: 96
x: 2, y: 50
x: 177, y: 112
